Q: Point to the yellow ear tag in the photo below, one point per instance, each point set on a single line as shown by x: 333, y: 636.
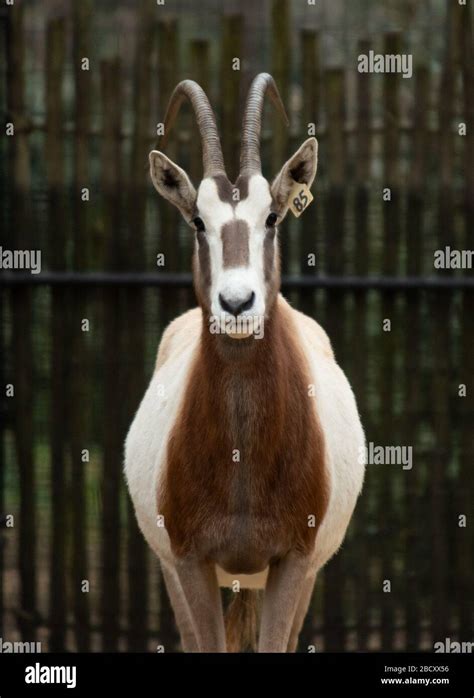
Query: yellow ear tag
x: 299, y: 199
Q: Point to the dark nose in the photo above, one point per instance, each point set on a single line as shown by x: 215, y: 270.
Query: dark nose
x: 235, y: 306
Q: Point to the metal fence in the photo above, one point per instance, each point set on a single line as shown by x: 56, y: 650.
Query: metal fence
x: 395, y: 184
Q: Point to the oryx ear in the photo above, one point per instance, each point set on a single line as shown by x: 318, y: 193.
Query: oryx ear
x: 301, y: 167
x: 173, y: 183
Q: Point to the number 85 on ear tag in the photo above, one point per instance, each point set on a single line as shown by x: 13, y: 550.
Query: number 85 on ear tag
x: 299, y: 199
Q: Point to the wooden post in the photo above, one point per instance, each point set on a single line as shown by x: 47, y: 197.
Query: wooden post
x: 281, y: 71
x: 467, y: 70
x: 310, y: 71
x: 168, y: 72
x: 308, y: 235
x: 134, y: 327
x: 80, y: 387
x: 441, y: 309
x: 310, y: 74
x: 21, y: 305
x: 6, y: 156
x: 113, y: 444
x: 54, y: 157
x: 387, y: 428
x: 82, y: 86
x: 335, y: 157
x: 336, y: 141
x: 464, y: 570
x: 362, y: 591
x: 413, y: 341
x: 465, y: 497
x: 231, y: 49
x: 446, y: 101
x: 168, y: 78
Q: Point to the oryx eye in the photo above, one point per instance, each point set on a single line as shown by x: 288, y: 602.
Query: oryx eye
x: 199, y: 224
x: 271, y: 220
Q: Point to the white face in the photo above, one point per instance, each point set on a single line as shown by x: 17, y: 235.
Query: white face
x: 236, y: 265
x: 235, y: 252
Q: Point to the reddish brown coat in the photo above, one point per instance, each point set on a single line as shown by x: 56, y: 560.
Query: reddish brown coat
x: 243, y: 515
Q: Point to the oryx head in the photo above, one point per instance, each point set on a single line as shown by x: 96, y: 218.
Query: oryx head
x: 236, y: 261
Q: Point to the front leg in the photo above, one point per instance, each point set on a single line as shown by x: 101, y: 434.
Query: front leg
x: 199, y: 584
x: 182, y: 614
x: 301, y: 611
x: 285, y: 585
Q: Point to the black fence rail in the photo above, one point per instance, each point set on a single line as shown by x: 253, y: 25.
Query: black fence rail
x: 185, y: 280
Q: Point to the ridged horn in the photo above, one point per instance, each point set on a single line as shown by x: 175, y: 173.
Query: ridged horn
x: 263, y: 83
x: 212, y: 160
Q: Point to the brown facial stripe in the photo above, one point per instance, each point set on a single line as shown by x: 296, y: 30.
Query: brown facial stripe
x: 226, y: 190
x: 235, y: 244
x: 269, y: 254
x: 204, y: 260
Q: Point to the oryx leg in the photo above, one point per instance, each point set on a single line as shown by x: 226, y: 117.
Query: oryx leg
x: 180, y: 607
x: 199, y: 584
x: 285, y: 585
x: 301, y: 611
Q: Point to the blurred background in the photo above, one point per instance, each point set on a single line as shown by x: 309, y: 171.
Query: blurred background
x: 75, y: 572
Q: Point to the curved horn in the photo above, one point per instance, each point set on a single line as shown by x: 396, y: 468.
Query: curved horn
x: 250, y: 161
x: 212, y: 160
